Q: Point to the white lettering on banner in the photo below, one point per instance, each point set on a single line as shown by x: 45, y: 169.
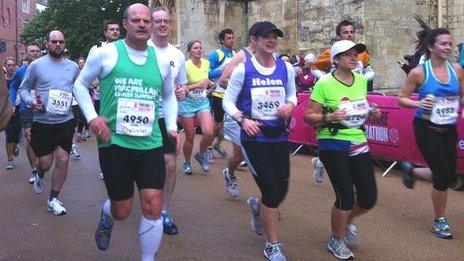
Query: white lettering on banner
x: 382, y: 134
x: 377, y: 133
x: 266, y: 82
x: 461, y: 144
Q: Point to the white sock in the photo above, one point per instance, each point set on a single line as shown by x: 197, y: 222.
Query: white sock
x: 107, y: 208
x: 150, y: 234
x: 319, y: 163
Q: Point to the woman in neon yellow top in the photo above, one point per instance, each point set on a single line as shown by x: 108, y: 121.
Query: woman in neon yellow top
x: 339, y: 108
x: 196, y: 104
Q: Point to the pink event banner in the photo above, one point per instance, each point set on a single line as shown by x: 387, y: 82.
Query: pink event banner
x: 391, y: 137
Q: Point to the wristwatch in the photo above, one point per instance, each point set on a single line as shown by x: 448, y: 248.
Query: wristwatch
x: 240, y: 121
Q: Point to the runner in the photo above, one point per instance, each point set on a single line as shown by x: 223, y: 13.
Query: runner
x: 196, y: 105
x: 231, y: 127
x: 160, y: 41
x: 345, y: 30
x: 53, y: 126
x: 339, y: 107
x: 218, y: 59
x: 440, y: 86
x: 26, y: 112
x: 111, y: 31
x: 132, y: 80
x: 260, y: 96
x: 13, y: 128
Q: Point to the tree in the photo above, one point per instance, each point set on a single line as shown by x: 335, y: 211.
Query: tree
x: 80, y: 20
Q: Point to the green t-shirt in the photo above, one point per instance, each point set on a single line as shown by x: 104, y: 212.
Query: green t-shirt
x: 130, y: 94
x: 329, y: 91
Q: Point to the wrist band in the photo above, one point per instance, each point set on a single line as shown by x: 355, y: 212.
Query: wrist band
x: 324, y: 118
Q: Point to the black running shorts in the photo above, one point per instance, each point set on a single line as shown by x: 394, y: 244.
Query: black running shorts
x: 122, y: 167
x: 46, y: 137
x: 13, y: 129
x: 26, y: 119
x: 218, y: 110
x: 169, y: 146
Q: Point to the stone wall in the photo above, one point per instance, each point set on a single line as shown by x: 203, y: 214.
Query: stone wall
x: 389, y: 34
x: 283, y: 14
x: 386, y: 27
x: 317, y: 20
x: 204, y: 19
x: 453, y: 18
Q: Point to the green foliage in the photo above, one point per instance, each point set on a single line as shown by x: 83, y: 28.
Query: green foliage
x: 80, y: 20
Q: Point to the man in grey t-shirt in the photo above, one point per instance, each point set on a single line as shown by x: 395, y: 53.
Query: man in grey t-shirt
x: 47, y: 87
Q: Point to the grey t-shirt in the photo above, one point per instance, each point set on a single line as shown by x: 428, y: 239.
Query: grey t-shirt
x: 53, y: 81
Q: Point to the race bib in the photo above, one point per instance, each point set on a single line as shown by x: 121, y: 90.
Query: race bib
x: 266, y: 101
x: 135, y: 117
x: 445, y: 110
x: 356, y: 112
x: 198, y: 93
x: 59, y: 102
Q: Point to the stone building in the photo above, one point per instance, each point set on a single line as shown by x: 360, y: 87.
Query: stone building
x: 385, y: 26
x: 15, y: 13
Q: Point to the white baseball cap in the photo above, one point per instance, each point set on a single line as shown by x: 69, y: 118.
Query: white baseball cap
x: 345, y: 45
x: 310, y: 58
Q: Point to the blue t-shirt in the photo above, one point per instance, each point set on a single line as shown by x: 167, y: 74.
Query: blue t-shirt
x: 14, y: 86
x: 215, y: 64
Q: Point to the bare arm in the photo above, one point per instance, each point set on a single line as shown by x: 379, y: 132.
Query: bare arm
x: 414, y: 80
x: 314, y: 116
x: 227, y: 71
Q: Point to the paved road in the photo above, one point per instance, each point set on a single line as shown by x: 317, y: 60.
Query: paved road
x: 212, y: 226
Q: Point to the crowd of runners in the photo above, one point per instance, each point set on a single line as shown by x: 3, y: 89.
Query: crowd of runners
x: 133, y: 93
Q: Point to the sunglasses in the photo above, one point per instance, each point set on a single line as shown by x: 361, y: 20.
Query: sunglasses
x: 57, y: 41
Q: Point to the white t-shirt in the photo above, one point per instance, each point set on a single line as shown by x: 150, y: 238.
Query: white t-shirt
x: 176, y: 60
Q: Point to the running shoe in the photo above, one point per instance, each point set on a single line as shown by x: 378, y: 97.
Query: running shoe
x: 103, y: 232
x: 10, y: 164
x: 186, y: 168
x: 16, y: 150
x: 56, y: 207
x: 255, y: 222
x: 32, y: 176
x: 38, y: 184
x: 273, y: 252
x: 318, y: 173
x: 220, y: 150
x: 169, y: 228
x: 80, y: 138
x: 441, y: 228
x: 231, y: 183
x: 338, y: 248
x: 351, y: 237
x: 408, y: 179
x: 210, y: 155
x: 86, y: 134
x: 100, y: 176
x: 75, y: 152
x: 242, y: 164
x: 202, y: 159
